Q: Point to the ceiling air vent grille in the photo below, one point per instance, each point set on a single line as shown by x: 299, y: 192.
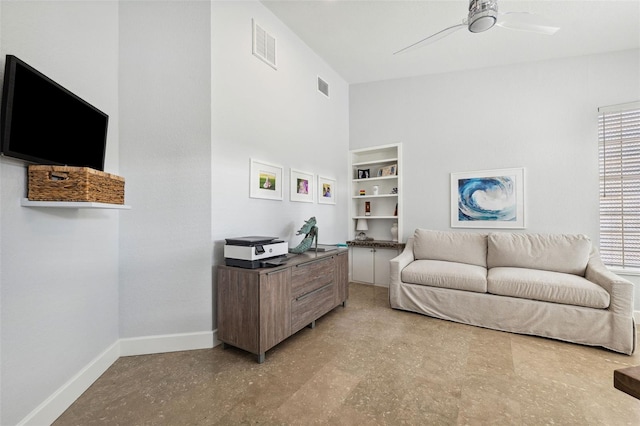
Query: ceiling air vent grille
x: 323, y: 87
x: 264, y: 45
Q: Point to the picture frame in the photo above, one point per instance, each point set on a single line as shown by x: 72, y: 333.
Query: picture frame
x: 302, y: 186
x: 327, y: 189
x: 265, y: 180
x: 363, y: 173
x: 488, y: 199
x: 390, y: 170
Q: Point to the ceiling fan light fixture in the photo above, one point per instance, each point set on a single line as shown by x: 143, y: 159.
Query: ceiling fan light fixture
x: 481, y: 23
x: 483, y: 14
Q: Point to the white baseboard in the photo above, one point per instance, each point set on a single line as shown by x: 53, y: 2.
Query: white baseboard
x: 52, y: 407
x: 166, y: 343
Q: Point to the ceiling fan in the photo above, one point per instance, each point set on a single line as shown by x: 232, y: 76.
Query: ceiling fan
x: 483, y: 15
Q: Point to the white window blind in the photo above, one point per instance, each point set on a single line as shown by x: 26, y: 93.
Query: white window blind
x: 619, y: 160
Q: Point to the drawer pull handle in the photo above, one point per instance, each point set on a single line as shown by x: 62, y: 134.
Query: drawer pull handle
x: 317, y: 290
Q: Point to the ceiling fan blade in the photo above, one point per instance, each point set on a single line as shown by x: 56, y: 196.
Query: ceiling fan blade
x: 525, y: 21
x: 432, y: 38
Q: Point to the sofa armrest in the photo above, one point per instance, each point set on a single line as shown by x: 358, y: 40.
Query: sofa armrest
x: 620, y: 290
x: 398, y: 263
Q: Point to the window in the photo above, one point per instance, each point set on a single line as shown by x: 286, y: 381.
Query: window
x: 619, y: 161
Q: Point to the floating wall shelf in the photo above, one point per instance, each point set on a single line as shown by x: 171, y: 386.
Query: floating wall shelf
x: 25, y: 202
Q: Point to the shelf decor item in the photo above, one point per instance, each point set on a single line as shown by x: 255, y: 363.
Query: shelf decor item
x: 394, y: 231
x: 376, y: 188
x: 265, y: 180
x: 311, y: 233
x: 361, y: 225
x: 301, y: 186
x: 363, y: 192
x: 363, y: 173
x: 326, y: 190
x: 389, y: 170
x: 367, y: 208
x: 64, y: 183
x: 488, y: 199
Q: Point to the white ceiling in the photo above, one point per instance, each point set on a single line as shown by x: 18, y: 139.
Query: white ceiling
x: 357, y: 38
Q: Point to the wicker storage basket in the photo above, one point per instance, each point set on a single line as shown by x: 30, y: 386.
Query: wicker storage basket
x: 63, y: 183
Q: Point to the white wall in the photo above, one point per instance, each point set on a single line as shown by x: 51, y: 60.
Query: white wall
x: 541, y: 116
x: 165, y: 154
x: 59, y: 268
x: 276, y: 116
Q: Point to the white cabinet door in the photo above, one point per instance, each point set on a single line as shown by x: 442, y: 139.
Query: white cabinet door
x: 382, y: 268
x: 362, y: 269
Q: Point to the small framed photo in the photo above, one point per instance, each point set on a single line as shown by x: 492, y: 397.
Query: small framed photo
x: 302, y: 186
x: 363, y: 173
x: 326, y: 190
x: 391, y: 170
x: 265, y: 180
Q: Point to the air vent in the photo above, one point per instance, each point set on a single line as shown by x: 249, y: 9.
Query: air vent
x: 323, y: 87
x: 264, y: 45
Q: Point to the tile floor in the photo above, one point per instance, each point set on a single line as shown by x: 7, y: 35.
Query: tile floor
x: 368, y: 364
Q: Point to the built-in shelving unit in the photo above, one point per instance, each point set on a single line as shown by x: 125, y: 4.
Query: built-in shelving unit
x: 25, y: 202
x: 376, y: 161
x: 369, y: 260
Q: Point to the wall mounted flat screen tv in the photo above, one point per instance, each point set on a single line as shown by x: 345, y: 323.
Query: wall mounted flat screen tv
x: 44, y: 123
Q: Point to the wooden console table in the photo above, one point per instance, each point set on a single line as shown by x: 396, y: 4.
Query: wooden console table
x: 259, y: 308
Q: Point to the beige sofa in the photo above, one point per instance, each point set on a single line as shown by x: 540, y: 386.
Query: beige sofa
x: 553, y: 286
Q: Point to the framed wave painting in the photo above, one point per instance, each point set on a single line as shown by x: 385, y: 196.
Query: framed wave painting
x: 488, y: 199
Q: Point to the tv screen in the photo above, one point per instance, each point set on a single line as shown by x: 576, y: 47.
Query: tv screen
x: 44, y: 123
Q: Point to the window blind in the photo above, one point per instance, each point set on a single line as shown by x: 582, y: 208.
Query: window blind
x: 619, y: 162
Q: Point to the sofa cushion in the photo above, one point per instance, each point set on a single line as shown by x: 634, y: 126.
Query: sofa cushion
x: 463, y: 247
x: 439, y: 273
x: 547, y: 286
x: 558, y: 253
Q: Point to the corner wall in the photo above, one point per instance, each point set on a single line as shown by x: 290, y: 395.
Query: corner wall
x: 165, y: 105
x: 59, y: 267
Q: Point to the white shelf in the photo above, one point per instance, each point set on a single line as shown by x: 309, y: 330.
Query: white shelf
x: 374, y: 196
x: 376, y: 178
x: 25, y: 202
x: 374, y: 162
x: 375, y: 217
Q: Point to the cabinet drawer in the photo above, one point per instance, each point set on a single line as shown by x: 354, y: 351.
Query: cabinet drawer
x: 310, y: 306
x: 310, y: 276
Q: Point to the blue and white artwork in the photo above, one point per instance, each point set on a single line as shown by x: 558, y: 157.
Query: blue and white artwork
x: 488, y: 199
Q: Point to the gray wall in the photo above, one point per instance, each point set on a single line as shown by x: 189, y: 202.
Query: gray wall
x: 59, y: 267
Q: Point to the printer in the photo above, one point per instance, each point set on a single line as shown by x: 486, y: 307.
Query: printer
x: 254, y: 252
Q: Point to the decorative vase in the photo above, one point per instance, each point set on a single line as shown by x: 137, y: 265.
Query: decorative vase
x: 394, y: 231
x: 375, y: 189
